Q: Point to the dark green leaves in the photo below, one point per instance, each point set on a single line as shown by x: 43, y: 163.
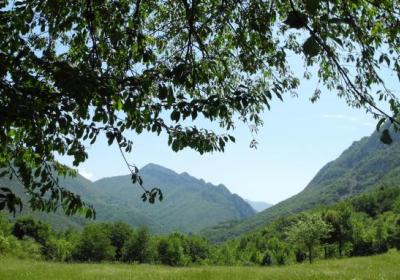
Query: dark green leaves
x: 380, y: 123
x: 152, y: 195
x: 125, y: 69
x: 8, y: 200
x: 162, y: 92
x: 311, y: 47
x: 175, y: 116
x: 385, y: 137
x: 296, y: 19
x: 312, y: 6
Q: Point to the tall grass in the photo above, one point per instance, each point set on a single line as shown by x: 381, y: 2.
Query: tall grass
x: 385, y: 266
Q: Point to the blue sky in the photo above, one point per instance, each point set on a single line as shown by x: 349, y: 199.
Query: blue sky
x: 297, y: 139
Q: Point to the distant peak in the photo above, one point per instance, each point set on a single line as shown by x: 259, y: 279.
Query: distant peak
x: 155, y: 167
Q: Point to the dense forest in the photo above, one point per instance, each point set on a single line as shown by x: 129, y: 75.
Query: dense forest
x: 363, y: 225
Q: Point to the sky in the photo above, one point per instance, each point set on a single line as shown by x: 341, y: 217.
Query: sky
x: 296, y: 140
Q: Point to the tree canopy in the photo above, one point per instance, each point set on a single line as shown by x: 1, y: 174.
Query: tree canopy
x: 72, y: 70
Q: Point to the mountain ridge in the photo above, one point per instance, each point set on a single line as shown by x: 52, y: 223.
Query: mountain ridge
x: 189, y: 203
x: 364, y: 165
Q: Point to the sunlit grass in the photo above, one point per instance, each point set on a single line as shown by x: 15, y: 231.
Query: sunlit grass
x: 385, y: 266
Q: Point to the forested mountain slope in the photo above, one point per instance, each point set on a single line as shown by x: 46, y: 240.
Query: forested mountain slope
x: 364, y: 165
x: 189, y: 204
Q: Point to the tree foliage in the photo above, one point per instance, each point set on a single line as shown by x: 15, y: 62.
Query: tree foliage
x: 72, y: 70
x: 29, y: 227
x: 308, y: 233
x: 335, y: 231
x: 119, y: 233
x: 340, y: 224
x: 137, y: 248
x: 94, y: 244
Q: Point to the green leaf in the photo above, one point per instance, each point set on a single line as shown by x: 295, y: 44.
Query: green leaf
x: 311, y: 47
x: 175, y: 145
x: 175, y: 116
x: 296, y: 19
x: 37, y: 172
x: 118, y: 104
x: 379, y: 124
x: 312, y: 6
x: 162, y: 92
x: 194, y: 114
x: 386, y: 138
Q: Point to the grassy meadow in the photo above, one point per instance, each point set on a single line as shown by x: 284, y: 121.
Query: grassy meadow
x: 385, y: 266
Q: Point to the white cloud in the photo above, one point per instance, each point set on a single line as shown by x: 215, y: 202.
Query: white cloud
x: 86, y: 174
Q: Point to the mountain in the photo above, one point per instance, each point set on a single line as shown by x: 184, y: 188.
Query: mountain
x: 366, y: 164
x: 58, y: 220
x: 189, y: 204
x: 258, y: 206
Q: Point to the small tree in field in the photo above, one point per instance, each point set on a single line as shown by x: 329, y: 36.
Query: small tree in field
x: 308, y: 232
x: 341, y: 228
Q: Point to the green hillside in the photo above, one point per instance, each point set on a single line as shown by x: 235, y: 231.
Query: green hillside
x: 59, y: 220
x: 189, y: 204
x: 364, y: 165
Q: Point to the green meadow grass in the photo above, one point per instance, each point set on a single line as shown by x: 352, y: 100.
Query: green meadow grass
x: 385, y: 266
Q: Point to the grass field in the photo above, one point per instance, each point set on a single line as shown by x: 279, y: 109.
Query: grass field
x: 377, y: 267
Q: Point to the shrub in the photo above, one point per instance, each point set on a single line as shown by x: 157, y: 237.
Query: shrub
x: 137, y: 247
x: 58, y: 250
x: 197, y: 249
x: 29, y: 227
x: 119, y: 234
x: 94, y: 245
x: 24, y: 248
x: 170, y: 251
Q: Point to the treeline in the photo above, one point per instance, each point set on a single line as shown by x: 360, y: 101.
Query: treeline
x: 97, y: 242
x: 365, y: 225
